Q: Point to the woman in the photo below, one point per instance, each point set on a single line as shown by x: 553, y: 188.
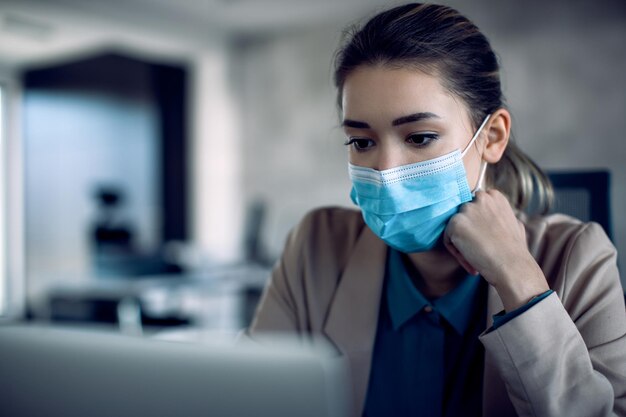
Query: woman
x: 443, y: 296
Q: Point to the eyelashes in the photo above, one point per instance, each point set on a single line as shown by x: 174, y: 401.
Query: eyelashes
x: 360, y: 144
x: 422, y: 139
x: 418, y: 140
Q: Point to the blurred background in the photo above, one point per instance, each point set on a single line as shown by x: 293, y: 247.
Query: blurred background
x: 154, y: 154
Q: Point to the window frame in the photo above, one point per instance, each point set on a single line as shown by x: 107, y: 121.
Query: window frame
x: 12, y: 281
x: 4, y: 275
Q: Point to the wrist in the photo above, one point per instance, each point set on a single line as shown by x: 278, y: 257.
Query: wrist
x: 520, y: 284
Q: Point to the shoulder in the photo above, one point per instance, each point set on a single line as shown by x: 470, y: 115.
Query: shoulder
x: 327, y: 230
x: 560, y: 232
x: 329, y: 223
x: 577, y: 258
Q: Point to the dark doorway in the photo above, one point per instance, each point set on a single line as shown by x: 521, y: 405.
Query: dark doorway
x: 105, y: 166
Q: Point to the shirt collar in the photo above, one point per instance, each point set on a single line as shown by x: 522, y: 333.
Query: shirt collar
x: 457, y: 305
x: 405, y: 300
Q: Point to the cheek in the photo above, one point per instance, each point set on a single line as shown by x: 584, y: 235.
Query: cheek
x: 472, y: 164
x: 352, y: 158
x: 362, y: 159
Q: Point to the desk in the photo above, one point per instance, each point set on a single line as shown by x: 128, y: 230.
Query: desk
x: 222, y: 299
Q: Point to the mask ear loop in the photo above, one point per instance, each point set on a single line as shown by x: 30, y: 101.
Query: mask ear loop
x: 483, y: 164
x: 481, y: 177
x: 471, y: 142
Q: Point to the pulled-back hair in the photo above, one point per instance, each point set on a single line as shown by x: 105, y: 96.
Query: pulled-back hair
x: 440, y: 41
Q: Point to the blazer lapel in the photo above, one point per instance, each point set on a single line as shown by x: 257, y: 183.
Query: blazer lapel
x: 353, y: 316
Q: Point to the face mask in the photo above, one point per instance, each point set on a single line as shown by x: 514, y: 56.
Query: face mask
x: 409, y: 206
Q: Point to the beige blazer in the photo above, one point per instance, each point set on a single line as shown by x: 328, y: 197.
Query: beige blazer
x: 564, y: 357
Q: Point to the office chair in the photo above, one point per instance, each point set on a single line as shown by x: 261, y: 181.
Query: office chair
x: 584, y: 195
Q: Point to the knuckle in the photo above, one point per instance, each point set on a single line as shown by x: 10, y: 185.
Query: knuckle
x: 453, y: 224
x: 496, y: 195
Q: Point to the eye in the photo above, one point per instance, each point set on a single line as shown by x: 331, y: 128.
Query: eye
x: 421, y: 139
x: 360, y: 144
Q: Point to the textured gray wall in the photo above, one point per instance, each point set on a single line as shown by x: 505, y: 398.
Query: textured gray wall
x: 563, y: 69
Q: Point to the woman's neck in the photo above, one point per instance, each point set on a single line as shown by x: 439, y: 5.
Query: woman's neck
x: 434, y: 273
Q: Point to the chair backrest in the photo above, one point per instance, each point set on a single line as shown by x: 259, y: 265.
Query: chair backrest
x: 584, y: 195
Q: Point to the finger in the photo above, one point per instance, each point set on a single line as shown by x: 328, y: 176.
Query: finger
x: 459, y: 257
x: 494, y: 192
x: 522, y: 229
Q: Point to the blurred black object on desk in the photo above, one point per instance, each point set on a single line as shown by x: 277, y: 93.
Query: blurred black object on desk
x: 114, y: 252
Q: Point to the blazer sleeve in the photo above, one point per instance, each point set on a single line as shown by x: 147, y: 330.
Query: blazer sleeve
x: 566, y: 356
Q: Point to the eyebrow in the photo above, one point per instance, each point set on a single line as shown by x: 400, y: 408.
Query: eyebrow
x: 411, y: 118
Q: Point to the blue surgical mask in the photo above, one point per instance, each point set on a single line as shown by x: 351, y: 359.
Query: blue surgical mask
x: 409, y: 206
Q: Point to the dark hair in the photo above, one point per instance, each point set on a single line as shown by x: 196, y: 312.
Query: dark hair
x: 440, y: 41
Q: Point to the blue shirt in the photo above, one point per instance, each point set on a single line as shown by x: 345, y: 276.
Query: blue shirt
x: 427, y: 358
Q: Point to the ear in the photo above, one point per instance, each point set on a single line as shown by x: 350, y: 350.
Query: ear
x: 497, y: 132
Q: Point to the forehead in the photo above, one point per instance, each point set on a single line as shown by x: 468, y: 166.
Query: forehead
x: 375, y: 92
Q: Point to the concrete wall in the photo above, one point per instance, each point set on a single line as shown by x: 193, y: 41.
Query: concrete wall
x: 291, y: 144
x: 563, y: 69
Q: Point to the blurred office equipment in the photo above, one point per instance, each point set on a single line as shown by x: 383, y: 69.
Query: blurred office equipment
x: 222, y: 300
x: 254, y: 248
x: 114, y: 251
x: 61, y: 372
x: 111, y: 235
x: 584, y: 195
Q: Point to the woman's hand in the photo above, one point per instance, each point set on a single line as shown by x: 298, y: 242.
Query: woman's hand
x: 486, y: 238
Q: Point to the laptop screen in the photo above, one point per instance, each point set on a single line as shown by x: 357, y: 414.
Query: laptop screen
x: 65, y: 372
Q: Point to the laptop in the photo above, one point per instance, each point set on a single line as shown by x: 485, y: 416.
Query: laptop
x: 48, y: 371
